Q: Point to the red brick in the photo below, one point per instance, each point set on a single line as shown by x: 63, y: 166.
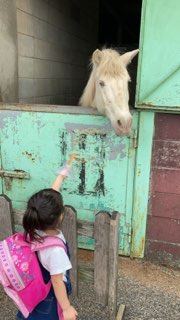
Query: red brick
x: 157, y: 248
x: 166, y: 154
x: 165, y: 205
x: 163, y: 229
x: 167, y: 126
x: 165, y: 180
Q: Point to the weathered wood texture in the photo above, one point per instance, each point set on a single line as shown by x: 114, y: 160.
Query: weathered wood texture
x: 86, y: 274
x: 101, y: 257
x: 6, y: 218
x: 69, y: 228
x: 113, y: 264
x: 121, y: 312
x: 163, y: 231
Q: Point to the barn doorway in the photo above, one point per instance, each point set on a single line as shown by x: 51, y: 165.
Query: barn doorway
x: 119, y: 23
x: 119, y: 27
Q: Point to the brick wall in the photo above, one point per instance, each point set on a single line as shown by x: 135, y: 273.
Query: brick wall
x: 55, y: 41
x: 163, y: 228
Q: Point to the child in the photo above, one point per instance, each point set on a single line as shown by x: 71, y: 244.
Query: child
x: 43, y: 216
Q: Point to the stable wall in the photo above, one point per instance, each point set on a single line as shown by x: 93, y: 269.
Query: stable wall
x: 8, y: 52
x: 163, y: 225
x: 55, y: 41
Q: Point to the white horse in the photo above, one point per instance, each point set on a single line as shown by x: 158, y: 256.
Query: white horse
x: 107, y: 88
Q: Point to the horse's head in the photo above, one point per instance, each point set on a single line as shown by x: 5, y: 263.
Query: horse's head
x: 107, y: 88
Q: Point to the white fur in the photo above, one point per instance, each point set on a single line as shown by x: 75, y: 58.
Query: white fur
x: 107, y: 88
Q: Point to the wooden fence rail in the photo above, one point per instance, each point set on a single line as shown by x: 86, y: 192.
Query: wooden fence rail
x: 105, y: 231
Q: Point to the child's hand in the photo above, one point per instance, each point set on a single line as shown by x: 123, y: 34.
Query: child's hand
x: 64, y: 171
x: 70, y: 313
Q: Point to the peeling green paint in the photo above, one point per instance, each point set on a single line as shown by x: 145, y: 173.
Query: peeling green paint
x: 158, y: 85
x: 102, y: 176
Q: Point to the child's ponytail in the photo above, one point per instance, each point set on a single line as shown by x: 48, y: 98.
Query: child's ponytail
x: 31, y: 224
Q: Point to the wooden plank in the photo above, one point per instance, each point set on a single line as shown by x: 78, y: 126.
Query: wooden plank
x: 141, y: 183
x: 121, y: 312
x: 113, y: 264
x: 101, y: 257
x: 86, y: 274
x: 85, y: 228
x: 6, y: 217
x: 69, y: 229
x: 49, y: 108
x: 18, y: 216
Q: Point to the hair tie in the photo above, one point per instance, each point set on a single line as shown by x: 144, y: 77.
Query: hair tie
x: 34, y: 209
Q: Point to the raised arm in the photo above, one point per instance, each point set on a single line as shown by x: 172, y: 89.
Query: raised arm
x: 63, y: 173
x: 59, y: 179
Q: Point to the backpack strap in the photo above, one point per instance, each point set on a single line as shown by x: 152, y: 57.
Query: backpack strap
x: 49, y: 241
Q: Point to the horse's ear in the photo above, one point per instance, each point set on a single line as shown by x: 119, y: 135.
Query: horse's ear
x: 128, y: 56
x: 97, y: 56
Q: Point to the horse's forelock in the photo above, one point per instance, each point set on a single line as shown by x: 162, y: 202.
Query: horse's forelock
x: 111, y: 64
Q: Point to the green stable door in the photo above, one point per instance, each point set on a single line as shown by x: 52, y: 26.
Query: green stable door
x: 35, y: 144
x: 159, y: 58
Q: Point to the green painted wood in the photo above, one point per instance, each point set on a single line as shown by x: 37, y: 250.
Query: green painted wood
x: 141, y: 183
x: 103, y: 174
x: 158, y: 84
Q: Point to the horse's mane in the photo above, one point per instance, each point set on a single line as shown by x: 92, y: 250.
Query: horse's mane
x: 87, y: 97
x: 110, y: 65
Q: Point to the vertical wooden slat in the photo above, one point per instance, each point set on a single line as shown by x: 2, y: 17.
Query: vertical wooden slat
x: 69, y: 229
x: 101, y: 257
x: 121, y: 312
x: 113, y: 264
x: 6, y: 221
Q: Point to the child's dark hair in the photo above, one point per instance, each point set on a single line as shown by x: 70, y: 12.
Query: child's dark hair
x: 44, y: 209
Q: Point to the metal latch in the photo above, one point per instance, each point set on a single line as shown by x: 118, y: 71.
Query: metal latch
x: 20, y: 174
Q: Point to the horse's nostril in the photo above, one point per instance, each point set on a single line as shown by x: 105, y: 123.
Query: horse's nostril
x: 119, y: 122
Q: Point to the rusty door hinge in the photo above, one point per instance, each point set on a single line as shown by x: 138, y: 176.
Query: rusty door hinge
x: 135, y: 139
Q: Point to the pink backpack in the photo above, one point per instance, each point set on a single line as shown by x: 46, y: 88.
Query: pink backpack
x: 20, y: 273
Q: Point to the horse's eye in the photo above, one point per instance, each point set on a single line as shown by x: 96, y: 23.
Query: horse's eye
x: 102, y: 83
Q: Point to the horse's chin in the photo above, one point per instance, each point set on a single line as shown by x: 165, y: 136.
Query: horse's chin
x: 122, y: 131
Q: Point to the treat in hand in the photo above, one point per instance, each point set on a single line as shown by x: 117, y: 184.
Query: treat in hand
x: 64, y: 171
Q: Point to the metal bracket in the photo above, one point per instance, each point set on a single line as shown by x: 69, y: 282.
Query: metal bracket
x: 20, y: 174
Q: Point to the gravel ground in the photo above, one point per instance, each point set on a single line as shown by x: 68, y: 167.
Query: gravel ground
x: 150, y: 292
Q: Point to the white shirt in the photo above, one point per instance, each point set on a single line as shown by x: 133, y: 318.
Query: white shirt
x: 54, y: 259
